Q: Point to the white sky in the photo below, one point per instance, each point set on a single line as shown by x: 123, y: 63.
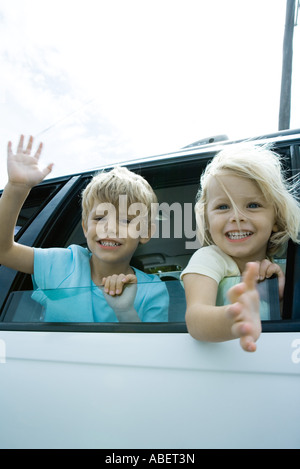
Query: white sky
x: 106, y: 81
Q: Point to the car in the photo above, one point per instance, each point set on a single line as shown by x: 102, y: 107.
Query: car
x: 146, y: 385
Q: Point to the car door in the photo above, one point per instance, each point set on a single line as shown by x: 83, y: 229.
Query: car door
x: 144, y: 385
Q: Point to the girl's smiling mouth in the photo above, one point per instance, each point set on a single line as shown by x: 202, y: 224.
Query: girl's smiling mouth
x: 238, y: 235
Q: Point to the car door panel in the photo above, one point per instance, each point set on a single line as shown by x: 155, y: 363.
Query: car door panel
x: 123, y: 390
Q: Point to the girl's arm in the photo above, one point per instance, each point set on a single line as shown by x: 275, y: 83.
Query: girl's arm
x: 240, y: 319
x: 204, y: 320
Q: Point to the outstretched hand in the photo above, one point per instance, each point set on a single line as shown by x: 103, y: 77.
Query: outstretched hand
x: 244, y: 308
x: 22, y: 167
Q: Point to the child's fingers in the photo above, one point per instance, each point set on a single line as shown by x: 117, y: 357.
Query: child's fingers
x: 264, y: 269
x: 125, y: 280
x: 248, y: 344
x: 130, y: 278
x: 29, y: 145
x: 9, y: 148
x: 114, y: 284
x: 235, y: 292
x: 47, y: 170
x: 109, y: 284
x: 241, y: 327
x: 243, y: 330
x: 267, y: 269
x: 250, y: 275
x: 20, y: 145
x: 120, y: 281
x: 233, y: 310
x: 39, y: 151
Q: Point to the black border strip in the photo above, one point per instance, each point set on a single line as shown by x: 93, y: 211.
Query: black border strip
x: 141, y: 328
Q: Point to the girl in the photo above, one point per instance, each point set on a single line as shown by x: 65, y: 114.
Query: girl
x: 245, y: 213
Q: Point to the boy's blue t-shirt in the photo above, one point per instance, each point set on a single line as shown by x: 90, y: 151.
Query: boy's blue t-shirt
x: 64, y: 287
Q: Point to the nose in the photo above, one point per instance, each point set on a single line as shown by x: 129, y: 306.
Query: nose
x: 237, y: 216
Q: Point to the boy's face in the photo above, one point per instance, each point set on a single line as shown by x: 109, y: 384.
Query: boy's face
x: 243, y: 231
x: 113, y: 237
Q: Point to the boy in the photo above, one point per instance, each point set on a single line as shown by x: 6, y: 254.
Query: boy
x: 77, y: 284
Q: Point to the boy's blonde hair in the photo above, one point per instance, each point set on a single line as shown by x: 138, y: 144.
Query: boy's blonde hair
x: 263, y: 166
x: 107, y: 186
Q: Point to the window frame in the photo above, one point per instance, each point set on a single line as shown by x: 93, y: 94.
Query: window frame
x: 41, y: 231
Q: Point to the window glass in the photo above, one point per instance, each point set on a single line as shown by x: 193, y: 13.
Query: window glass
x: 154, y: 301
x: 165, y: 255
x: 36, y: 200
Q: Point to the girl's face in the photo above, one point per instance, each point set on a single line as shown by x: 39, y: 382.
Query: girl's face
x: 242, y: 231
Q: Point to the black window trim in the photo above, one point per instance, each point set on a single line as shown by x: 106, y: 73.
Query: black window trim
x: 279, y: 326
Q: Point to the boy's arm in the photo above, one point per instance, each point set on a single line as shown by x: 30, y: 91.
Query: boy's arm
x: 23, y: 174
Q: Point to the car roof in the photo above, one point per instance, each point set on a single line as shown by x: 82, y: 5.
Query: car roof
x: 203, y: 146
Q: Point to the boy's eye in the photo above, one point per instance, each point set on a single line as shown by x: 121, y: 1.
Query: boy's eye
x: 254, y: 205
x: 100, y: 219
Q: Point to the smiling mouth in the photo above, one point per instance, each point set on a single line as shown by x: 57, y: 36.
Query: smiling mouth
x: 109, y: 244
x: 236, y: 235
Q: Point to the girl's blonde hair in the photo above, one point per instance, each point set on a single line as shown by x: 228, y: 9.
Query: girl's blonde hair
x: 107, y: 186
x: 263, y: 166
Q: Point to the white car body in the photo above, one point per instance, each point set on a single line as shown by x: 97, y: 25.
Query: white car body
x: 93, y: 390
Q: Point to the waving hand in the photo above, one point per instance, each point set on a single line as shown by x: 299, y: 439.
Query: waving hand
x: 22, y: 167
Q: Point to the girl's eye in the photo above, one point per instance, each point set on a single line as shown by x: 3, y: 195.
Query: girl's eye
x: 253, y: 205
x: 223, y: 207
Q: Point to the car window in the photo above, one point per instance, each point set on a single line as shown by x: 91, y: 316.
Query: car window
x: 154, y: 301
x: 78, y: 304
x: 36, y: 200
x: 176, y: 182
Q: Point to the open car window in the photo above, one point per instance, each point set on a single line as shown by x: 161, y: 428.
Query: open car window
x: 160, y: 301
x: 39, y: 196
x: 51, y: 217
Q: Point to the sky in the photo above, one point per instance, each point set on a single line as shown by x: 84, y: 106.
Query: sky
x: 101, y: 82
